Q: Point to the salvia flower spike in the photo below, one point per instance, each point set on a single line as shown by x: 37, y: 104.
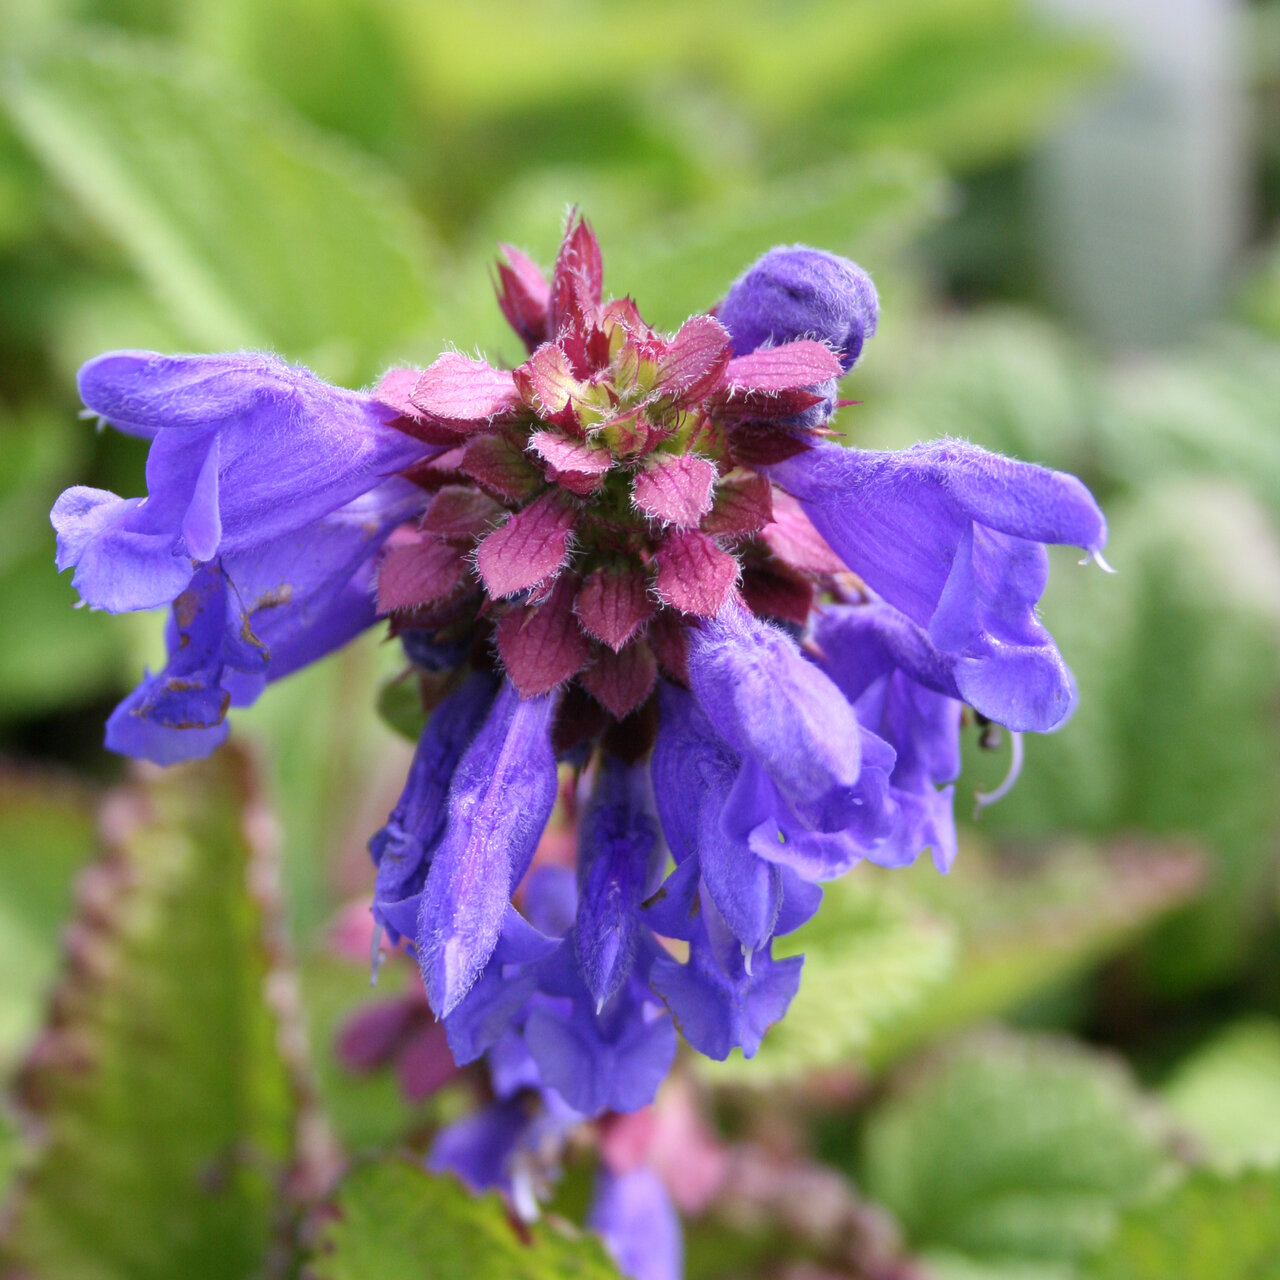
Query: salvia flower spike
x: 645, y: 578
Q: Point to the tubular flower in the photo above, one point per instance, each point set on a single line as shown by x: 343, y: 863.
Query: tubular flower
x: 647, y: 579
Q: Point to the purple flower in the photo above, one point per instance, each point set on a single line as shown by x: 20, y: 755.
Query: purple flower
x: 768, y: 703
x: 250, y: 618
x: 244, y: 449
x: 634, y: 1214
x: 597, y: 1054
x: 402, y: 849
x: 499, y: 801
x: 609, y: 1056
x: 723, y: 998
x: 514, y: 1146
x: 889, y: 673
x: 953, y: 537
x: 619, y: 864
x: 801, y: 293
x: 637, y: 554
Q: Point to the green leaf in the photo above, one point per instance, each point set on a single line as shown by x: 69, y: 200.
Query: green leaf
x: 49, y: 653
x: 1012, y: 1150
x: 1005, y: 379
x: 397, y: 1222
x: 970, y: 80
x: 46, y: 835
x: 1228, y: 1094
x: 971, y: 83
x: 1211, y: 1228
x: 871, y: 957
x: 252, y: 230
x: 1213, y: 412
x: 1026, y: 926
x: 333, y: 771
x: 166, y: 1104
x: 1189, y: 690
x: 867, y: 206
x: 400, y: 706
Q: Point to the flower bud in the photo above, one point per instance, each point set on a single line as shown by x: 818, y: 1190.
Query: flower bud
x: 799, y: 292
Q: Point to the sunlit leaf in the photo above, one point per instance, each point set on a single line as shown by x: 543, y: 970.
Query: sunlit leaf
x: 1228, y: 1095
x: 1211, y: 1228
x: 872, y: 957
x: 166, y: 1105
x: 253, y: 231
x: 1025, y: 927
x: 1012, y: 1150
x: 397, y: 1222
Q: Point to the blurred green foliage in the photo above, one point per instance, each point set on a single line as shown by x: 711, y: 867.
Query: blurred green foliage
x: 1212, y: 1228
x: 169, y: 1109
x: 328, y: 179
x: 401, y: 1223
x: 1012, y: 1151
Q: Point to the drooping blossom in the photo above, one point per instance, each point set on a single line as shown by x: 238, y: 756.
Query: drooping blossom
x: 648, y: 581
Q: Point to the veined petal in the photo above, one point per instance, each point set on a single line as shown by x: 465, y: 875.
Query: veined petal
x: 770, y: 703
x: 464, y: 394
x: 617, y: 850
x: 531, y: 547
x: 694, y: 362
x: 794, y: 366
x: 402, y: 849
x: 951, y: 535
x: 245, y: 449
x: 500, y: 799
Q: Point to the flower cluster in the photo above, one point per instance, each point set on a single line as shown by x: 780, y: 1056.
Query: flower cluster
x: 648, y: 583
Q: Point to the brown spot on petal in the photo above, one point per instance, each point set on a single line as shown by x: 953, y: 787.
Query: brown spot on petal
x: 185, y: 608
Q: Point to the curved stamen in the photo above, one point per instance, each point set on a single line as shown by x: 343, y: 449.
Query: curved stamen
x: 983, y: 799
